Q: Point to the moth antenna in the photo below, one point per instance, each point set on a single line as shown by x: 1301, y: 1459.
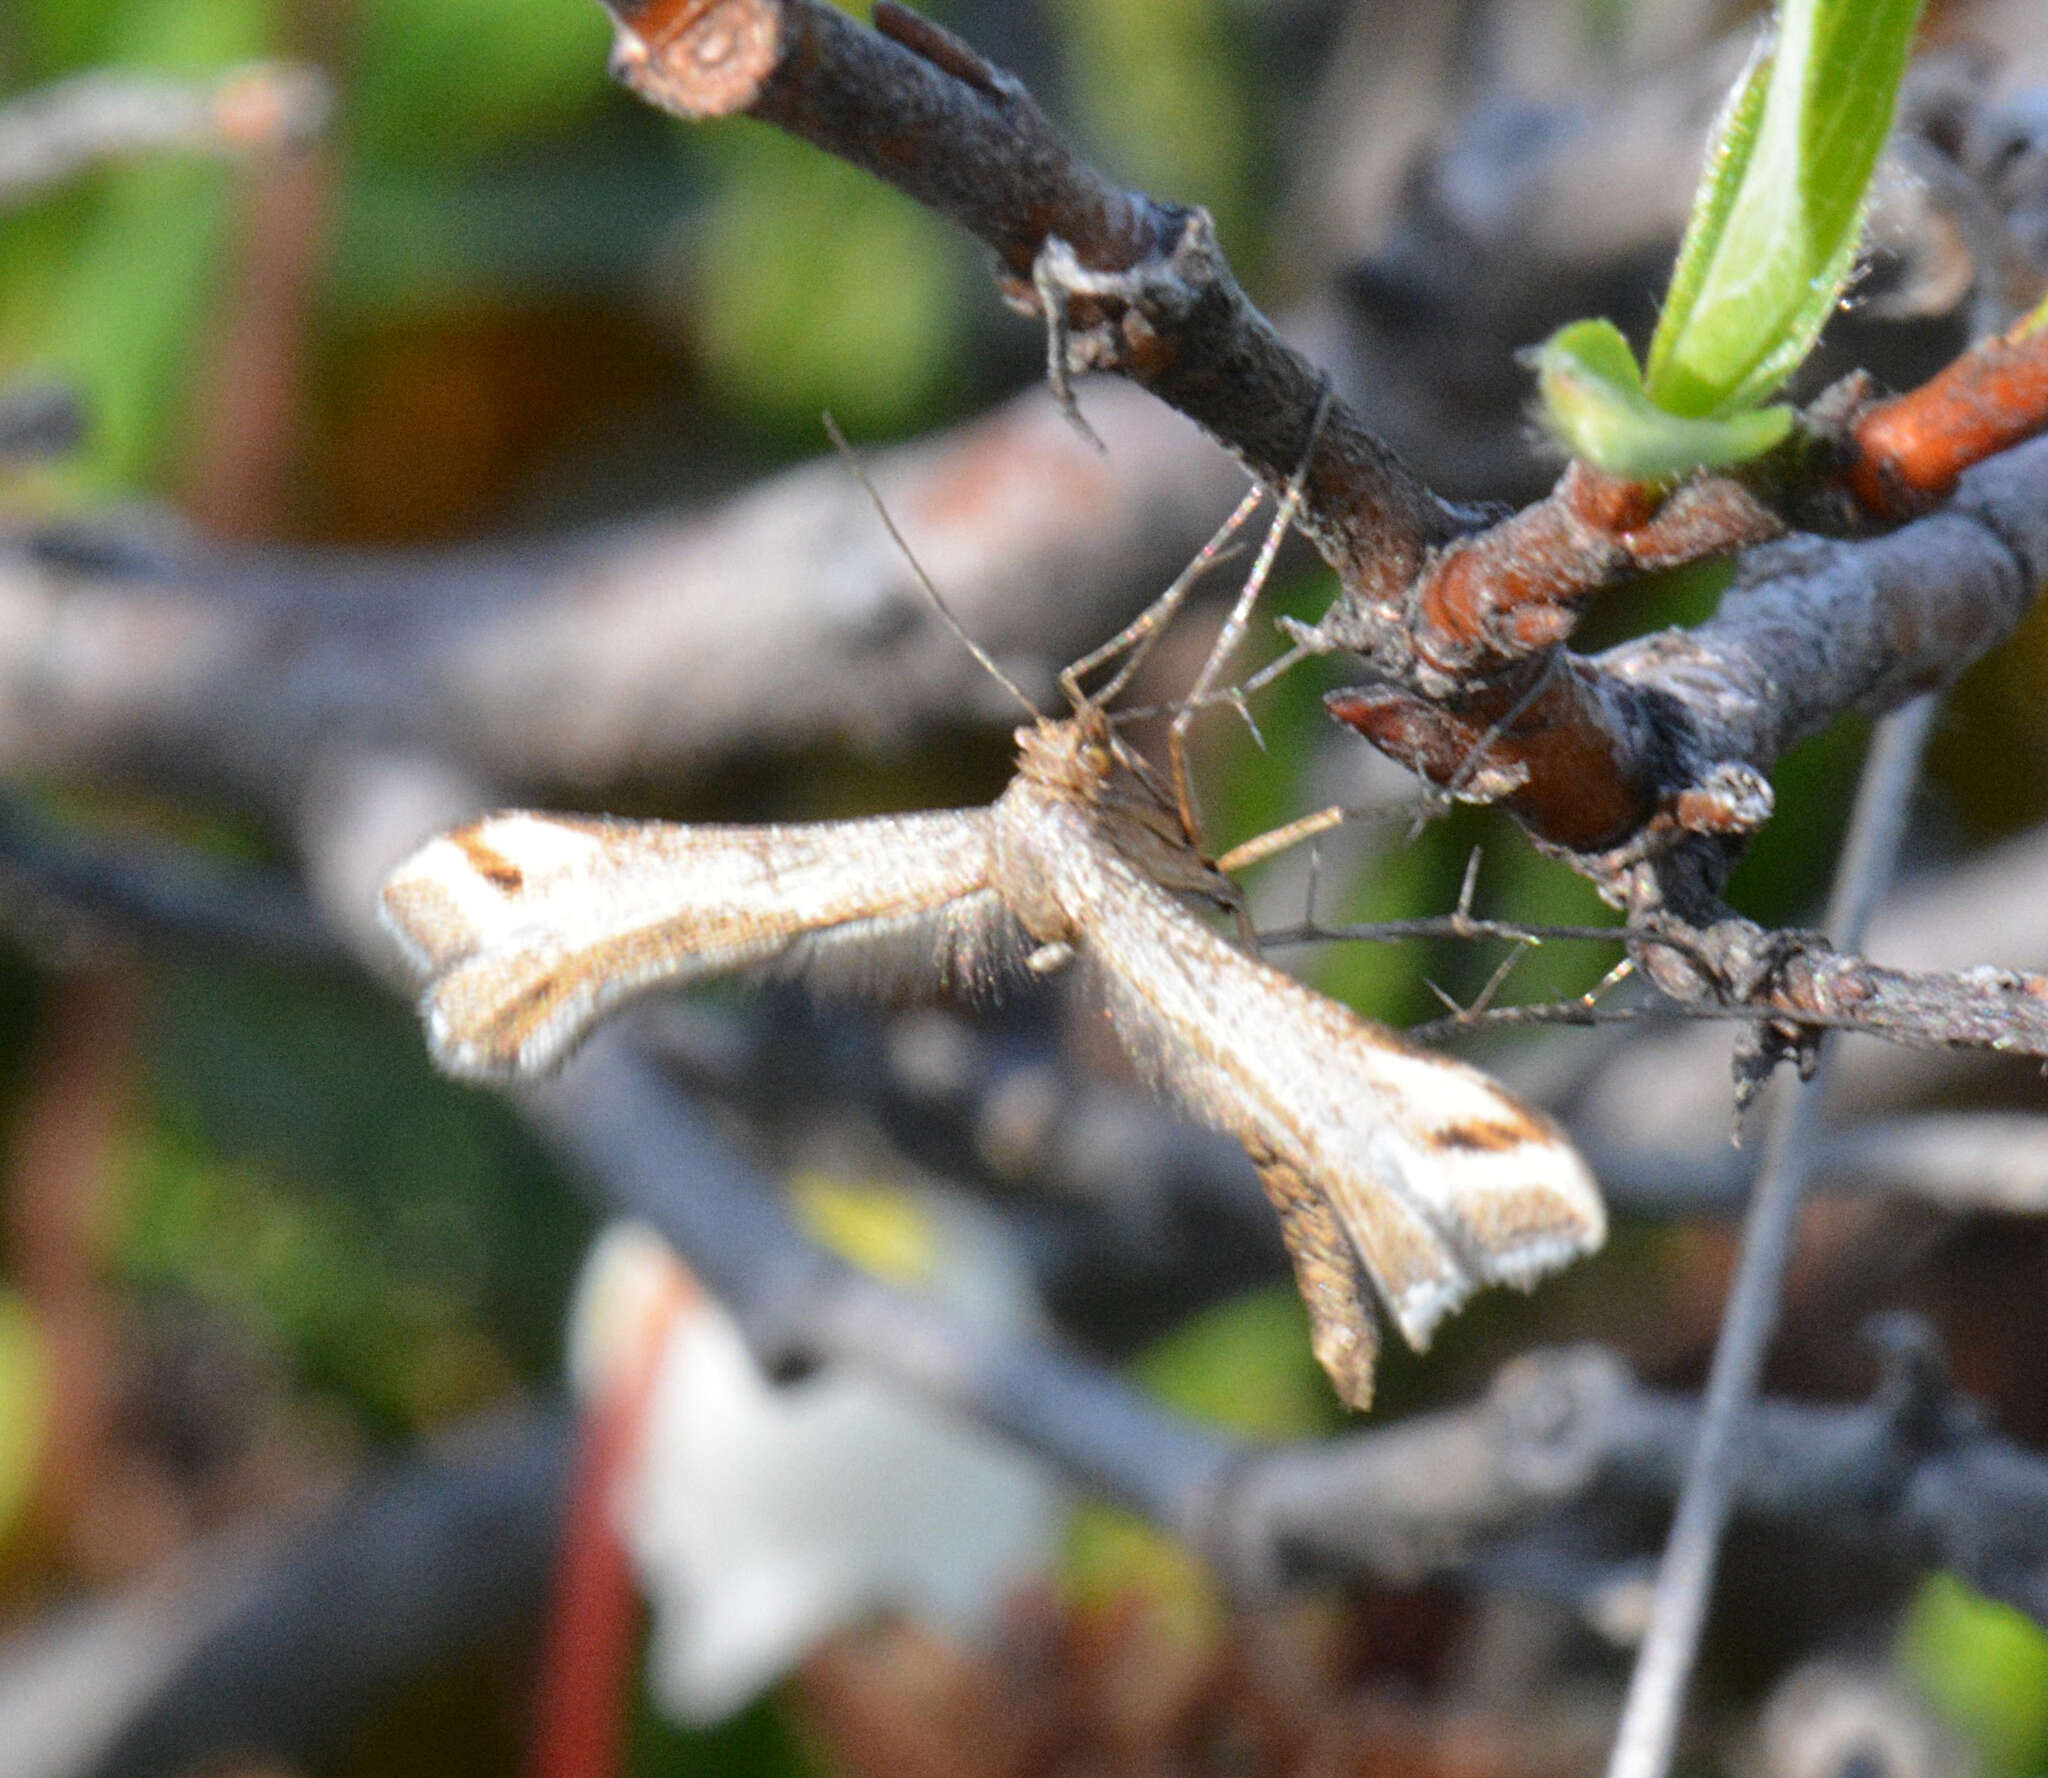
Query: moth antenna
x: 1240, y: 616
x: 859, y: 472
x: 1135, y: 639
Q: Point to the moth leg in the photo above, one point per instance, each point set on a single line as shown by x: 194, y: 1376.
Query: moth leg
x: 1135, y: 639
x: 1343, y: 1329
x: 1239, y: 620
x: 1282, y: 838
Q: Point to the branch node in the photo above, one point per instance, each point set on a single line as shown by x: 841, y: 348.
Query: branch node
x: 698, y: 58
x: 1732, y: 798
x: 1551, y: 1413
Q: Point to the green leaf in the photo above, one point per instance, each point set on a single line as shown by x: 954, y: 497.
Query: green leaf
x: 1985, y: 1666
x: 1244, y: 1364
x: 1593, y: 401
x: 1775, y: 227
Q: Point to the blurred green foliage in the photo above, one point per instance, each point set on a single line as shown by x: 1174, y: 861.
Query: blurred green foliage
x: 1245, y: 1365
x: 24, y: 1407
x: 444, y: 82
x: 819, y: 288
x: 1985, y: 1666
x: 393, y: 1235
x: 1158, y: 85
x: 109, y: 284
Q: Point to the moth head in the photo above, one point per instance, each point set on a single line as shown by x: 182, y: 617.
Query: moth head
x: 1074, y: 754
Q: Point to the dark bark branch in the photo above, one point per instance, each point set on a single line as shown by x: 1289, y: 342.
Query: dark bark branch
x: 1592, y: 754
x: 1144, y: 288
x: 1615, y: 754
x: 1915, y: 1472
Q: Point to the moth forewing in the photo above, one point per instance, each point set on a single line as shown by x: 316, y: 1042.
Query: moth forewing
x: 1395, y: 1172
x: 532, y: 927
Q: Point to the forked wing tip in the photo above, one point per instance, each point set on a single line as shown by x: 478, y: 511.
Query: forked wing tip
x: 480, y: 1063
x: 1518, y: 1238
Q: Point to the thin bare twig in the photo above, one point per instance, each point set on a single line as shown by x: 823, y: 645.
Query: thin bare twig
x: 1648, y: 1731
x: 1807, y: 986
x: 57, y: 131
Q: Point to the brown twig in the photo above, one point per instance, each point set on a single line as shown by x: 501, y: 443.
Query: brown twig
x: 1140, y: 288
x: 1491, y: 600
x: 1631, y: 750
x: 1907, y: 454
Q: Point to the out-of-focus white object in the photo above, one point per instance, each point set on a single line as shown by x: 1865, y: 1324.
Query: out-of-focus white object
x: 762, y: 1518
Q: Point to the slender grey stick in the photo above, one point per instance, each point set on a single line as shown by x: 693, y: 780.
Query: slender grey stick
x: 1650, y: 1715
x: 59, y: 130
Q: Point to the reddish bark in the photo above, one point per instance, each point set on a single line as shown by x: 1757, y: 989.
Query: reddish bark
x: 1908, y: 453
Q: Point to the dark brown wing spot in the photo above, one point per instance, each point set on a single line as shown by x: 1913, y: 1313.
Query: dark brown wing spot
x: 1495, y: 1136
x: 494, y: 867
